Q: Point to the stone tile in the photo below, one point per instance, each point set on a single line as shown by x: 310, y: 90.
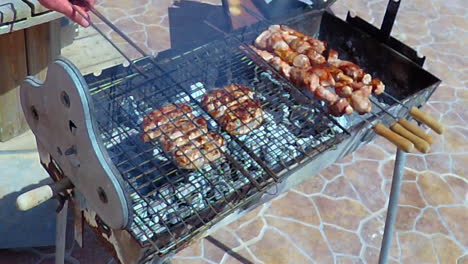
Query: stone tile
x: 372, y: 233
x: 212, y: 252
x: 364, y: 177
x: 415, y: 162
x: 226, y: 237
x: 430, y: 223
x: 455, y: 140
x: 312, y: 185
x: 331, y: 172
x: 386, y: 170
x: 385, y: 145
x: 158, y: 38
x: 249, y: 216
x: 406, y: 217
x: 341, y: 241
x: 447, y: 250
x: 410, y: 195
x: 348, y: 260
x: 342, y: 212
x: 458, y: 185
x: 438, y: 163
x: 251, y: 230
x: 416, y: 248
x: 456, y: 219
x: 194, y: 250
x: 460, y: 162
x: 347, y: 159
x: 340, y: 187
x: 295, y: 206
x: 309, y: 239
x: 370, y: 151
x: 243, y: 253
x: 435, y: 190
x: 284, y: 252
x: 371, y: 256
x: 409, y: 175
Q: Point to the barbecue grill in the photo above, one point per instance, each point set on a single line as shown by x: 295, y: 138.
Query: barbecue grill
x: 133, y: 195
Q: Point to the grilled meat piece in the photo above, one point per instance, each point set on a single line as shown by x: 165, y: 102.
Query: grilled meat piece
x: 183, y: 136
x: 235, y: 108
x: 198, y: 152
x: 341, y: 107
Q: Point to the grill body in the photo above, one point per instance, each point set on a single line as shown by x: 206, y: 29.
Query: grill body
x: 161, y: 208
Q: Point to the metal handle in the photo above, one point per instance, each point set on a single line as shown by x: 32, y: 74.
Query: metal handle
x: 37, y: 196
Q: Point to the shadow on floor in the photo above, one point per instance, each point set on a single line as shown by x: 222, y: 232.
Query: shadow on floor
x: 188, y: 29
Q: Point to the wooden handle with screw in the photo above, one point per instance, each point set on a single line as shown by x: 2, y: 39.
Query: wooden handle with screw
x: 34, y: 197
x: 399, y: 141
x: 418, y: 142
x: 413, y: 128
x: 427, y: 120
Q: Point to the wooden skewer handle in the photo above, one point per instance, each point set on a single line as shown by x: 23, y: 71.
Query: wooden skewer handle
x: 399, y: 141
x: 428, y: 120
x: 413, y: 128
x: 418, y: 142
x: 34, y: 197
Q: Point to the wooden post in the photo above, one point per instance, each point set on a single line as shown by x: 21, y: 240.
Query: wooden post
x: 13, y: 70
x: 24, y: 52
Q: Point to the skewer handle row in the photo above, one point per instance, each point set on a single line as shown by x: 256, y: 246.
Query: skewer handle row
x: 399, y: 141
x: 419, y: 143
x: 416, y: 130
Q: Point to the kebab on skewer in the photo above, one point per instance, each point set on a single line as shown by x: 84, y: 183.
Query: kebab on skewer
x: 301, y: 59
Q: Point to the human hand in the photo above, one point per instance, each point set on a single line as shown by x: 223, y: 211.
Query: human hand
x: 66, y: 8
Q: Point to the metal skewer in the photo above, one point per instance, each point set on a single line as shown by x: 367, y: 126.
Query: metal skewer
x: 420, y: 116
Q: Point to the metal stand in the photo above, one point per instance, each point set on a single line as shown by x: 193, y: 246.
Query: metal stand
x: 392, y: 205
x: 60, y: 234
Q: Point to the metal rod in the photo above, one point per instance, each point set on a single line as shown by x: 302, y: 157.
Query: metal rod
x: 389, y: 18
x: 110, y: 41
x: 396, y: 100
x: 60, y: 234
x: 392, y: 205
x: 383, y: 108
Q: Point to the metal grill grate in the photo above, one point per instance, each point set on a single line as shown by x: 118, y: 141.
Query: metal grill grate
x: 174, y: 204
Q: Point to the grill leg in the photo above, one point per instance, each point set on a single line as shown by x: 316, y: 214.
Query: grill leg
x: 392, y: 205
x: 60, y: 234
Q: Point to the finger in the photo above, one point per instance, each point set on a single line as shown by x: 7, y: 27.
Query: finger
x: 77, y: 16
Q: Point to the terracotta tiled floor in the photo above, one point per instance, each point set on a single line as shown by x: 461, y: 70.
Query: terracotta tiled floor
x: 338, y: 215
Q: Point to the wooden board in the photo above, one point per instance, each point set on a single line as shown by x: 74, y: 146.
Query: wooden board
x: 13, y: 10
x: 29, y: 22
x: 13, y: 71
x: 36, y: 7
